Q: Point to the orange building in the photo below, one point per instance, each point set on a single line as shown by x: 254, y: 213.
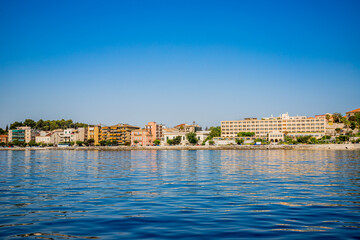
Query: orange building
x: 141, y: 137
x: 4, y: 138
x: 121, y: 133
x: 156, y: 130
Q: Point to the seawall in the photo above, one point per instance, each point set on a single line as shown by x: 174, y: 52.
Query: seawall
x: 232, y: 147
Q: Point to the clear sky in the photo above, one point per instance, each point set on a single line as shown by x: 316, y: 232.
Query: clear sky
x: 177, y: 61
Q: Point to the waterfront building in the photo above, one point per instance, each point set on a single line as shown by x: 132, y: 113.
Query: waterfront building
x: 55, y: 137
x: 156, y: 130
x: 93, y: 132
x: 141, y: 137
x: 290, y: 126
x: 21, y: 134
x: 68, y: 135
x: 188, y: 128
x: 171, y: 133
x: 79, y: 134
x: 3, y: 138
x: 43, y: 137
x: 121, y: 133
x: 276, y: 136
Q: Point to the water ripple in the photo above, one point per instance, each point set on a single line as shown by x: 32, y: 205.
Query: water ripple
x: 179, y: 194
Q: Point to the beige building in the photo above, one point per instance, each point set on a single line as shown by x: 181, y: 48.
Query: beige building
x: 173, y: 133
x: 79, y: 134
x: 43, y: 137
x: 188, y: 128
x: 56, y: 136
x: 21, y: 134
x: 291, y: 126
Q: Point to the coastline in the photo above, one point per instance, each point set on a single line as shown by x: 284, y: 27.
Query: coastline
x: 231, y: 147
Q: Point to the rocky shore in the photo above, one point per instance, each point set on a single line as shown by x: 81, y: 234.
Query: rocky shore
x: 232, y: 147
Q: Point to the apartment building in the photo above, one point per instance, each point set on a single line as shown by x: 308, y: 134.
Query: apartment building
x: 156, y: 130
x: 43, y: 137
x: 93, y: 132
x: 80, y: 134
x: 141, y: 137
x: 21, y: 134
x: 291, y: 126
x: 121, y: 133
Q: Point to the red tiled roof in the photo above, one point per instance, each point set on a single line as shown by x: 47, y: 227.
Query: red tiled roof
x: 2, y: 136
x: 354, y: 111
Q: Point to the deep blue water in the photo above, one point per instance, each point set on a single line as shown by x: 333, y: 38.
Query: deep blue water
x: 179, y: 194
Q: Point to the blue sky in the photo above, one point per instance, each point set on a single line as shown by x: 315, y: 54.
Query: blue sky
x: 177, y: 61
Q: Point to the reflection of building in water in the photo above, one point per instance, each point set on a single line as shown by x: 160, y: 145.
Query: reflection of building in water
x: 277, y: 162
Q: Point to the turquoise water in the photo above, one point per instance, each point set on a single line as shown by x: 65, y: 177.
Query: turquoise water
x: 179, y: 194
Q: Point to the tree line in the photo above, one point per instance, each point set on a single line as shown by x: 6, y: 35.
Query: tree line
x: 47, y: 125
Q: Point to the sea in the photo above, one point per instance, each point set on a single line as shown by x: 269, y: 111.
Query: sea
x: 184, y: 194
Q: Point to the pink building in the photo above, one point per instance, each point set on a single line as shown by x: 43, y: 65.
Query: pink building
x: 155, y: 130
x: 141, y: 137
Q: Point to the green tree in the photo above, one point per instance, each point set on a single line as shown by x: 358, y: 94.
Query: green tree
x: 136, y: 141
x: 157, y: 142
x: 113, y: 143
x: 263, y: 141
x: 191, y: 137
x: 79, y: 143
x: 327, y: 117
x: 32, y: 143
x: 337, y: 130
x: 337, y: 117
x: 90, y: 142
x: 2, y: 131
x: 211, y: 142
x: 30, y: 123
x: 343, y: 138
x: 303, y: 139
x: 14, y: 125
x: 313, y: 140
x: 215, y: 132
x: 102, y: 143
x: 246, y: 134
x: 240, y: 141
x: 16, y: 142
x: 177, y: 140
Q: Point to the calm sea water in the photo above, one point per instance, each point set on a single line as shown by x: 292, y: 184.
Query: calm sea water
x: 179, y: 194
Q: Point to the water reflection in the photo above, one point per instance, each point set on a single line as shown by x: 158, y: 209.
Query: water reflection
x: 187, y: 194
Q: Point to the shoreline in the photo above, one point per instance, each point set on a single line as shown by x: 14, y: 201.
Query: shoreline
x: 232, y: 147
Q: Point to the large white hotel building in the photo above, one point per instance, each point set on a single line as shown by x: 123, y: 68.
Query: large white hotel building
x: 292, y: 126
